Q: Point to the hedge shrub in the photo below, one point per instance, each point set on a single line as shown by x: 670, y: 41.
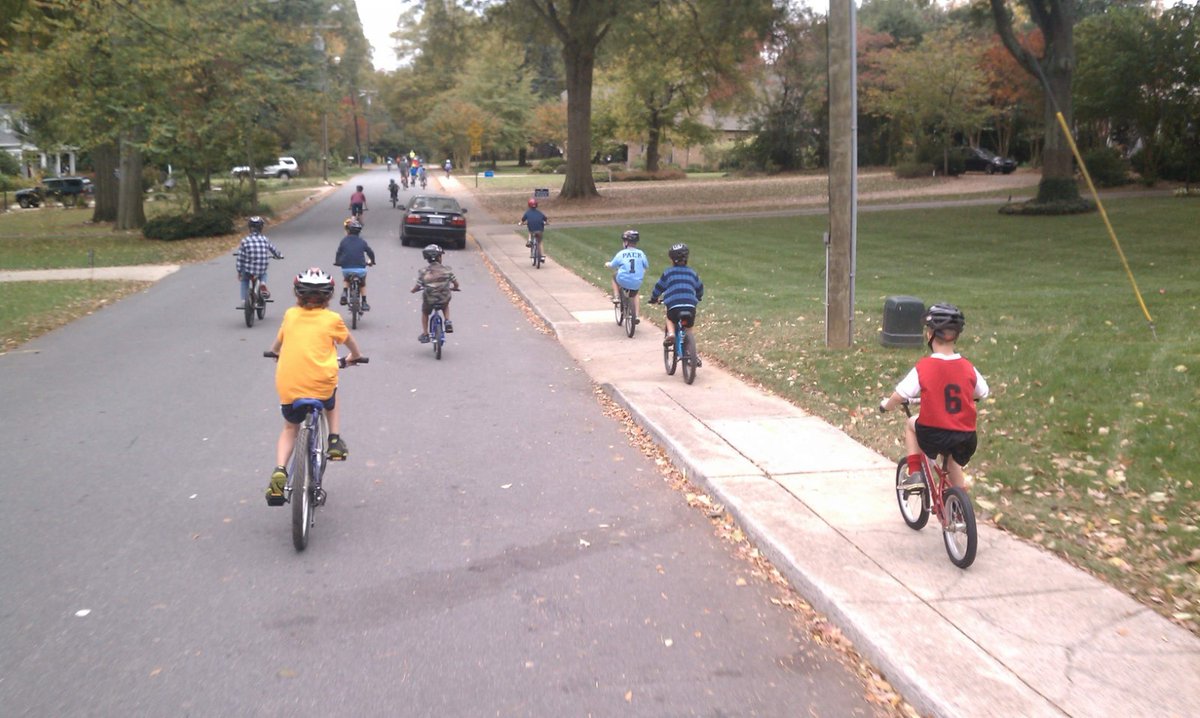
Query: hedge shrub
x: 1107, y: 167
x: 913, y: 170
x: 206, y: 223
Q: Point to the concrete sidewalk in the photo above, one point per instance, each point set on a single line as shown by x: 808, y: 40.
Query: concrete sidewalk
x: 1020, y: 633
x: 139, y: 272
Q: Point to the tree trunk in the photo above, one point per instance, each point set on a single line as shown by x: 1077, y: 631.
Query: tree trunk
x: 193, y: 190
x: 579, y: 61
x: 1058, y: 163
x: 130, y: 212
x: 653, y: 142
x: 106, y: 159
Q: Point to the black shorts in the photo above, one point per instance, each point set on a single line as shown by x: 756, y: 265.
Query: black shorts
x: 297, y: 415
x: 684, y: 315
x: 427, y: 306
x: 957, y: 444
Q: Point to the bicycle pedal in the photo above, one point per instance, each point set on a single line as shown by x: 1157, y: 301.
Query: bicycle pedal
x: 319, y: 496
x: 276, y: 500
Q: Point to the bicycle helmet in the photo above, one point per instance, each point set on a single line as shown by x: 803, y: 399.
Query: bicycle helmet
x: 432, y: 252
x: 679, y: 253
x: 631, y: 236
x: 313, y: 283
x: 255, y: 223
x: 352, y: 225
x: 944, y: 318
x: 533, y: 202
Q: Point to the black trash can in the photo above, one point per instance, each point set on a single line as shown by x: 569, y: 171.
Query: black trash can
x: 902, y: 325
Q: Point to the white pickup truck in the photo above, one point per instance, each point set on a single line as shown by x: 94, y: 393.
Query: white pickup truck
x: 285, y: 168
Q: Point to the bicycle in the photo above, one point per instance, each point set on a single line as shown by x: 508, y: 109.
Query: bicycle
x: 436, y: 328
x: 424, y: 181
x: 255, y: 303
x: 625, y: 311
x: 395, y: 196
x: 535, y: 249
x: 307, y: 465
x: 951, y: 504
x: 683, y: 349
x: 354, y: 298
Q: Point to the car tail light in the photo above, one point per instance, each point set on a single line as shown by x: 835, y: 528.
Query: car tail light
x: 458, y: 221
x: 412, y: 219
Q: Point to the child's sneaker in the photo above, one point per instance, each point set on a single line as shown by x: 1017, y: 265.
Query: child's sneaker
x: 423, y: 338
x: 528, y: 243
x: 343, y: 301
x: 449, y: 327
x: 914, y: 482
x: 365, y: 307
x: 337, y: 450
x: 275, y: 488
x: 266, y: 293
x: 668, y: 341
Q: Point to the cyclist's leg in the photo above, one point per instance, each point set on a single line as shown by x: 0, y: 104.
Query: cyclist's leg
x: 244, y: 280
x: 446, y: 316
x: 616, y: 290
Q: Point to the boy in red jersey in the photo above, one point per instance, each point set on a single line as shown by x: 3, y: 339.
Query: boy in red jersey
x: 948, y: 386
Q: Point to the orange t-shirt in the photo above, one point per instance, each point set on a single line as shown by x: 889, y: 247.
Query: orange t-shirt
x: 307, y: 367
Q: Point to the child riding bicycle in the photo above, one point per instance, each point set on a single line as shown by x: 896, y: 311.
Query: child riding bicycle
x: 948, y: 386
x: 253, y: 254
x: 680, y: 290
x: 354, y: 255
x: 438, y: 281
x: 358, y: 203
x: 393, y: 190
x: 630, y: 265
x: 535, y: 221
x: 308, y: 369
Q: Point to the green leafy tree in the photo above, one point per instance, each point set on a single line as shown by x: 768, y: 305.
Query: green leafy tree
x: 1054, y: 67
x: 580, y: 26
x: 934, y: 89
x: 678, y: 58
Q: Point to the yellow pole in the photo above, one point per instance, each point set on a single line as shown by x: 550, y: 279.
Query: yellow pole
x: 1113, y: 235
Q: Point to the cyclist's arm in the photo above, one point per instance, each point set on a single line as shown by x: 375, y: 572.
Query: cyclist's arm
x: 371, y: 254
x: 908, y: 389
x: 981, y: 386
x: 352, y: 345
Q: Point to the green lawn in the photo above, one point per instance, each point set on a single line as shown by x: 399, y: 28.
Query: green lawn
x: 28, y: 309
x: 1088, y: 445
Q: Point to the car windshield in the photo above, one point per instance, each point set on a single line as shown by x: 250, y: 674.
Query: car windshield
x: 985, y: 154
x: 435, y: 204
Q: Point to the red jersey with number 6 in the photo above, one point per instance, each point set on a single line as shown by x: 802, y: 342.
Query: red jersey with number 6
x: 947, y: 393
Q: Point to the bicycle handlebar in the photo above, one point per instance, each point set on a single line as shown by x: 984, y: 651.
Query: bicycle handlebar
x: 342, y: 362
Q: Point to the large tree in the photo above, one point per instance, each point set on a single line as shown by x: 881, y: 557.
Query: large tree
x: 1054, y: 68
x: 580, y: 26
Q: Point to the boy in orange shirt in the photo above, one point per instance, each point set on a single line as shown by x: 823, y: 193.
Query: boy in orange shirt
x: 308, y: 369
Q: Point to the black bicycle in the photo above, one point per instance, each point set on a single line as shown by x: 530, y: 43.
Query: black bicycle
x: 626, y: 311
x: 683, y: 349
x: 255, y: 305
x: 354, y: 298
x: 307, y: 464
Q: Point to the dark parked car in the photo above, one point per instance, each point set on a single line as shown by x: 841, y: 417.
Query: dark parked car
x: 434, y: 219
x: 66, y: 190
x: 976, y: 159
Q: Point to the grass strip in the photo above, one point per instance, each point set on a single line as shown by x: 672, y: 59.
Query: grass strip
x: 1088, y: 444
x: 30, y: 309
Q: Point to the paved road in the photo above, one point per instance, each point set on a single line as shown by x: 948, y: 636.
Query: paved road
x: 494, y: 545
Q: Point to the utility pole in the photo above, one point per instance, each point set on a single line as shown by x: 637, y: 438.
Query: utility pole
x: 840, y: 242
x: 367, y: 118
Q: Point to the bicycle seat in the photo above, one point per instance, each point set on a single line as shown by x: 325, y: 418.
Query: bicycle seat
x: 308, y: 404
x: 686, y: 317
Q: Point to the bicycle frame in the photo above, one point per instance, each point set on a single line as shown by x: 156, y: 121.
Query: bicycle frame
x: 307, y: 466
x: 535, y: 249
x: 354, y: 298
x: 437, y: 329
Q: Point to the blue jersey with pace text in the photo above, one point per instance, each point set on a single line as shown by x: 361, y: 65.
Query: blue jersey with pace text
x: 631, y: 265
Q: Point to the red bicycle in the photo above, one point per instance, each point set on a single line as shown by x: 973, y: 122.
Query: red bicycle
x: 951, y: 504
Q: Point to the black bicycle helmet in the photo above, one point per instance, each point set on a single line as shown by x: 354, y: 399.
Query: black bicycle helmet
x: 313, y: 283
x: 942, y: 317
x: 631, y: 236
x: 353, y: 226
x: 679, y: 253
x: 432, y: 252
x: 255, y: 223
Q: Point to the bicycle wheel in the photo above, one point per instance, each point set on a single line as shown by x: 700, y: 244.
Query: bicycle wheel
x: 436, y: 335
x: 355, y: 302
x: 670, y: 360
x: 248, y: 305
x: 301, y: 489
x: 958, y: 530
x: 630, y: 314
x: 914, y: 505
x: 619, y: 309
x: 689, y: 358
x: 535, y: 252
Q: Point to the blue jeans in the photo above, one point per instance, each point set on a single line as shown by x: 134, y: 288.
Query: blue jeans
x: 245, y: 279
